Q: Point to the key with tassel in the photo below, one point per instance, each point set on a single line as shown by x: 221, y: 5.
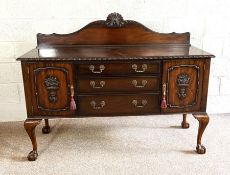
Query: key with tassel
x: 72, y: 101
x: 163, y: 102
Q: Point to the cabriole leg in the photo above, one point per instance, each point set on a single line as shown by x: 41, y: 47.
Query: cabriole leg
x: 184, y: 123
x: 203, y: 122
x: 30, y: 125
x: 46, y: 128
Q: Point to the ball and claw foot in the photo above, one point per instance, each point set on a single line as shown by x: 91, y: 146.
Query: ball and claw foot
x: 185, y: 125
x: 46, y: 130
x: 32, y: 156
x: 200, y: 149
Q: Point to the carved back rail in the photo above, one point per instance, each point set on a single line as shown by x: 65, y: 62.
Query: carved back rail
x: 114, y: 31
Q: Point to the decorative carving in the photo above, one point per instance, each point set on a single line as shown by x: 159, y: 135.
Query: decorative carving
x: 115, y: 20
x: 39, y: 58
x: 182, y: 83
x: 183, y: 79
x: 65, y: 82
x: 173, y: 68
x: 52, y: 85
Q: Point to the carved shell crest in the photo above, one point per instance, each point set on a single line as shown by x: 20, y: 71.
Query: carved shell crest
x: 114, y: 20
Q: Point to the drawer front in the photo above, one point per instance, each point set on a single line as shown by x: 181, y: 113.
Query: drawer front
x: 101, y: 105
x: 120, y: 68
x: 118, y: 84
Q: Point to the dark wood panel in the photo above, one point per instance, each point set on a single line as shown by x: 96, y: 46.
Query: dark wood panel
x: 27, y: 87
x: 119, y: 32
x: 184, y: 81
x: 205, y: 84
x: 120, y: 68
x: 101, y: 105
x: 51, y: 88
x: 118, y: 84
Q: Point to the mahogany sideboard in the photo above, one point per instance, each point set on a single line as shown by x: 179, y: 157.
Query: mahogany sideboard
x: 114, y: 67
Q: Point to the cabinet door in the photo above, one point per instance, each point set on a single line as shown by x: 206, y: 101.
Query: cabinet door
x: 184, y: 81
x: 51, y: 89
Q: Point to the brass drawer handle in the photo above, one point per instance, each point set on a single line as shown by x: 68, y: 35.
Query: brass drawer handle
x: 143, y: 83
x: 94, y: 105
x: 135, y: 103
x: 92, y: 69
x: 144, y: 68
x: 93, y: 84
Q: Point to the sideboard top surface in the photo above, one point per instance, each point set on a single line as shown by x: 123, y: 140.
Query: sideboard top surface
x: 114, y: 53
x: 113, y: 39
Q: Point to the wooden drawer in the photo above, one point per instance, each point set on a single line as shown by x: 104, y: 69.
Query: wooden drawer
x: 118, y: 84
x: 101, y: 105
x: 120, y: 68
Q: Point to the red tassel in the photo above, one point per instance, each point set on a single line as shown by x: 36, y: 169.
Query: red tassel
x: 163, y: 103
x: 72, y: 104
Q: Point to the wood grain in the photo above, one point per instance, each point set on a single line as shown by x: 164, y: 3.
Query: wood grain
x: 117, y: 68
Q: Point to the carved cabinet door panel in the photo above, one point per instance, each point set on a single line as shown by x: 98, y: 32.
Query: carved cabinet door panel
x: 51, y: 89
x: 183, y: 80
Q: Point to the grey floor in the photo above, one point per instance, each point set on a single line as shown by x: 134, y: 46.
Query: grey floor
x: 118, y: 145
